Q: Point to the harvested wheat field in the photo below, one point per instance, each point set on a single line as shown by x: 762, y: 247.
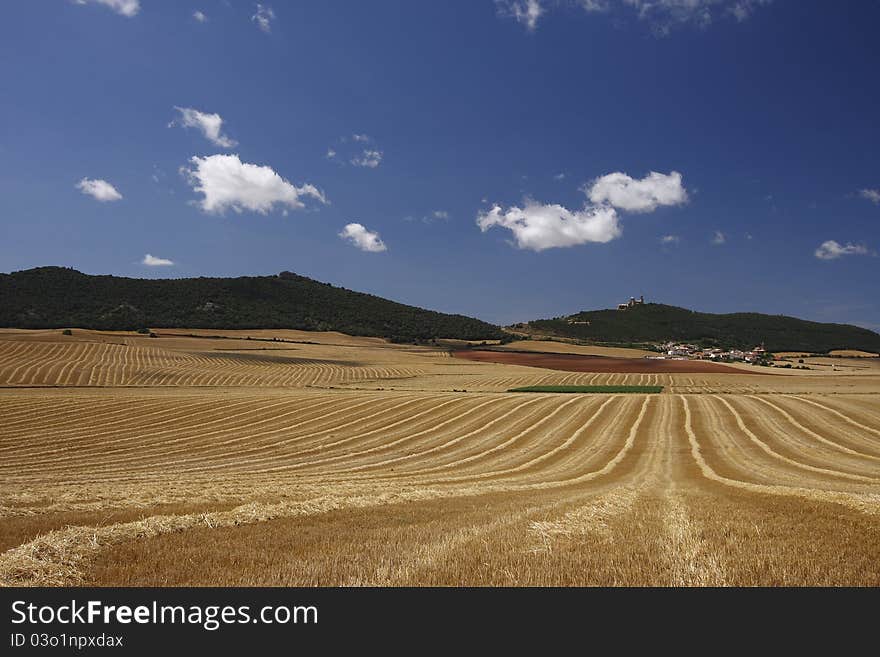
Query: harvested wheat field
x: 321, y: 459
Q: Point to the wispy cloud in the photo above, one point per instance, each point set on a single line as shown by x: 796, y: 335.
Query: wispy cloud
x: 718, y: 238
x: 127, y: 8
x: 359, y: 150
x: 670, y: 239
x: 831, y: 250
x: 98, y: 189
x: 662, y: 15
x: 436, y: 215
x: 264, y: 17
x: 872, y: 195
x: 527, y: 12
x: 210, y: 125
x: 369, y: 157
x: 200, y: 16
x: 365, y: 240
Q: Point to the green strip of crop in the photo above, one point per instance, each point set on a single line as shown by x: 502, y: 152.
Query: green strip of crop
x: 605, y: 389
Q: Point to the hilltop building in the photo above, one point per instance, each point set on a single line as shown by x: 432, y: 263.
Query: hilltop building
x: 632, y: 303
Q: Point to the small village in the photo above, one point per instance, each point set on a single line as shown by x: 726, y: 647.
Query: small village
x: 679, y: 351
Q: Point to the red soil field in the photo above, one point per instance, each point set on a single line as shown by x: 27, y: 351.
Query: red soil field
x: 579, y: 363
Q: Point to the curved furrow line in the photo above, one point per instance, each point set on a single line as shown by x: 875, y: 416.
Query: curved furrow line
x: 842, y: 416
x: 321, y: 446
x: 810, y: 432
x: 139, y: 453
x: 455, y: 441
x: 173, y: 417
x: 269, y: 448
x: 50, y: 434
x: 780, y: 457
x: 744, y: 459
x: 479, y: 455
x: 541, y: 458
x: 864, y: 503
x: 784, y: 438
x: 570, y: 469
x: 406, y: 438
x: 296, y: 460
x: 145, y: 448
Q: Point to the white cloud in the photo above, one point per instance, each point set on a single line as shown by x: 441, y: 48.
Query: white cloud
x: 127, y: 8
x: 264, y: 17
x: 872, y: 195
x: 98, y: 189
x: 645, y: 195
x: 200, y: 16
x: 662, y: 15
x: 370, y: 157
x: 559, y: 176
x: 365, y: 240
x: 665, y: 14
x: 153, y: 261
x: 831, y: 250
x: 440, y: 214
x: 359, y: 150
x: 542, y: 226
x: 719, y: 238
x: 538, y: 227
x: 670, y: 239
x: 228, y: 183
x: 526, y: 12
x: 210, y: 125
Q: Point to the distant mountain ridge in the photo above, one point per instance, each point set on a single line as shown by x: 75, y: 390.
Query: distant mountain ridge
x: 57, y: 297
x: 654, y: 322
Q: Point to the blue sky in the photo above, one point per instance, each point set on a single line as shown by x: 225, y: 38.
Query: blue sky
x: 488, y: 158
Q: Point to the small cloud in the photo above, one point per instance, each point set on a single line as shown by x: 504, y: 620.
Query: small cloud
x: 210, y: 125
x: 872, y: 195
x: 526, y: 12
x: 670, y: 239
x: 370, y: 158
x: 749, y: 236
x: 662, y: 15
x: 153, y: 261
x: 366, y: 155
x: 98, y: 189
x: 127, y: 8
x: 559, y: 176
x: 365, y: 240
x: 436, y: 215
x: 634, y: 195
x: 719, y: 238
x: 226, y: 182
x: 831, y: 250
x: 200, y: 16
x: 264, y: 17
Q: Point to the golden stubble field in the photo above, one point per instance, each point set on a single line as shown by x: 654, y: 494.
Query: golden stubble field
x: 300, y: 458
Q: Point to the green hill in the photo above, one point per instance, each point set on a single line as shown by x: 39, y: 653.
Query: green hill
x: 55, y: 297
x: 654, y: 322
